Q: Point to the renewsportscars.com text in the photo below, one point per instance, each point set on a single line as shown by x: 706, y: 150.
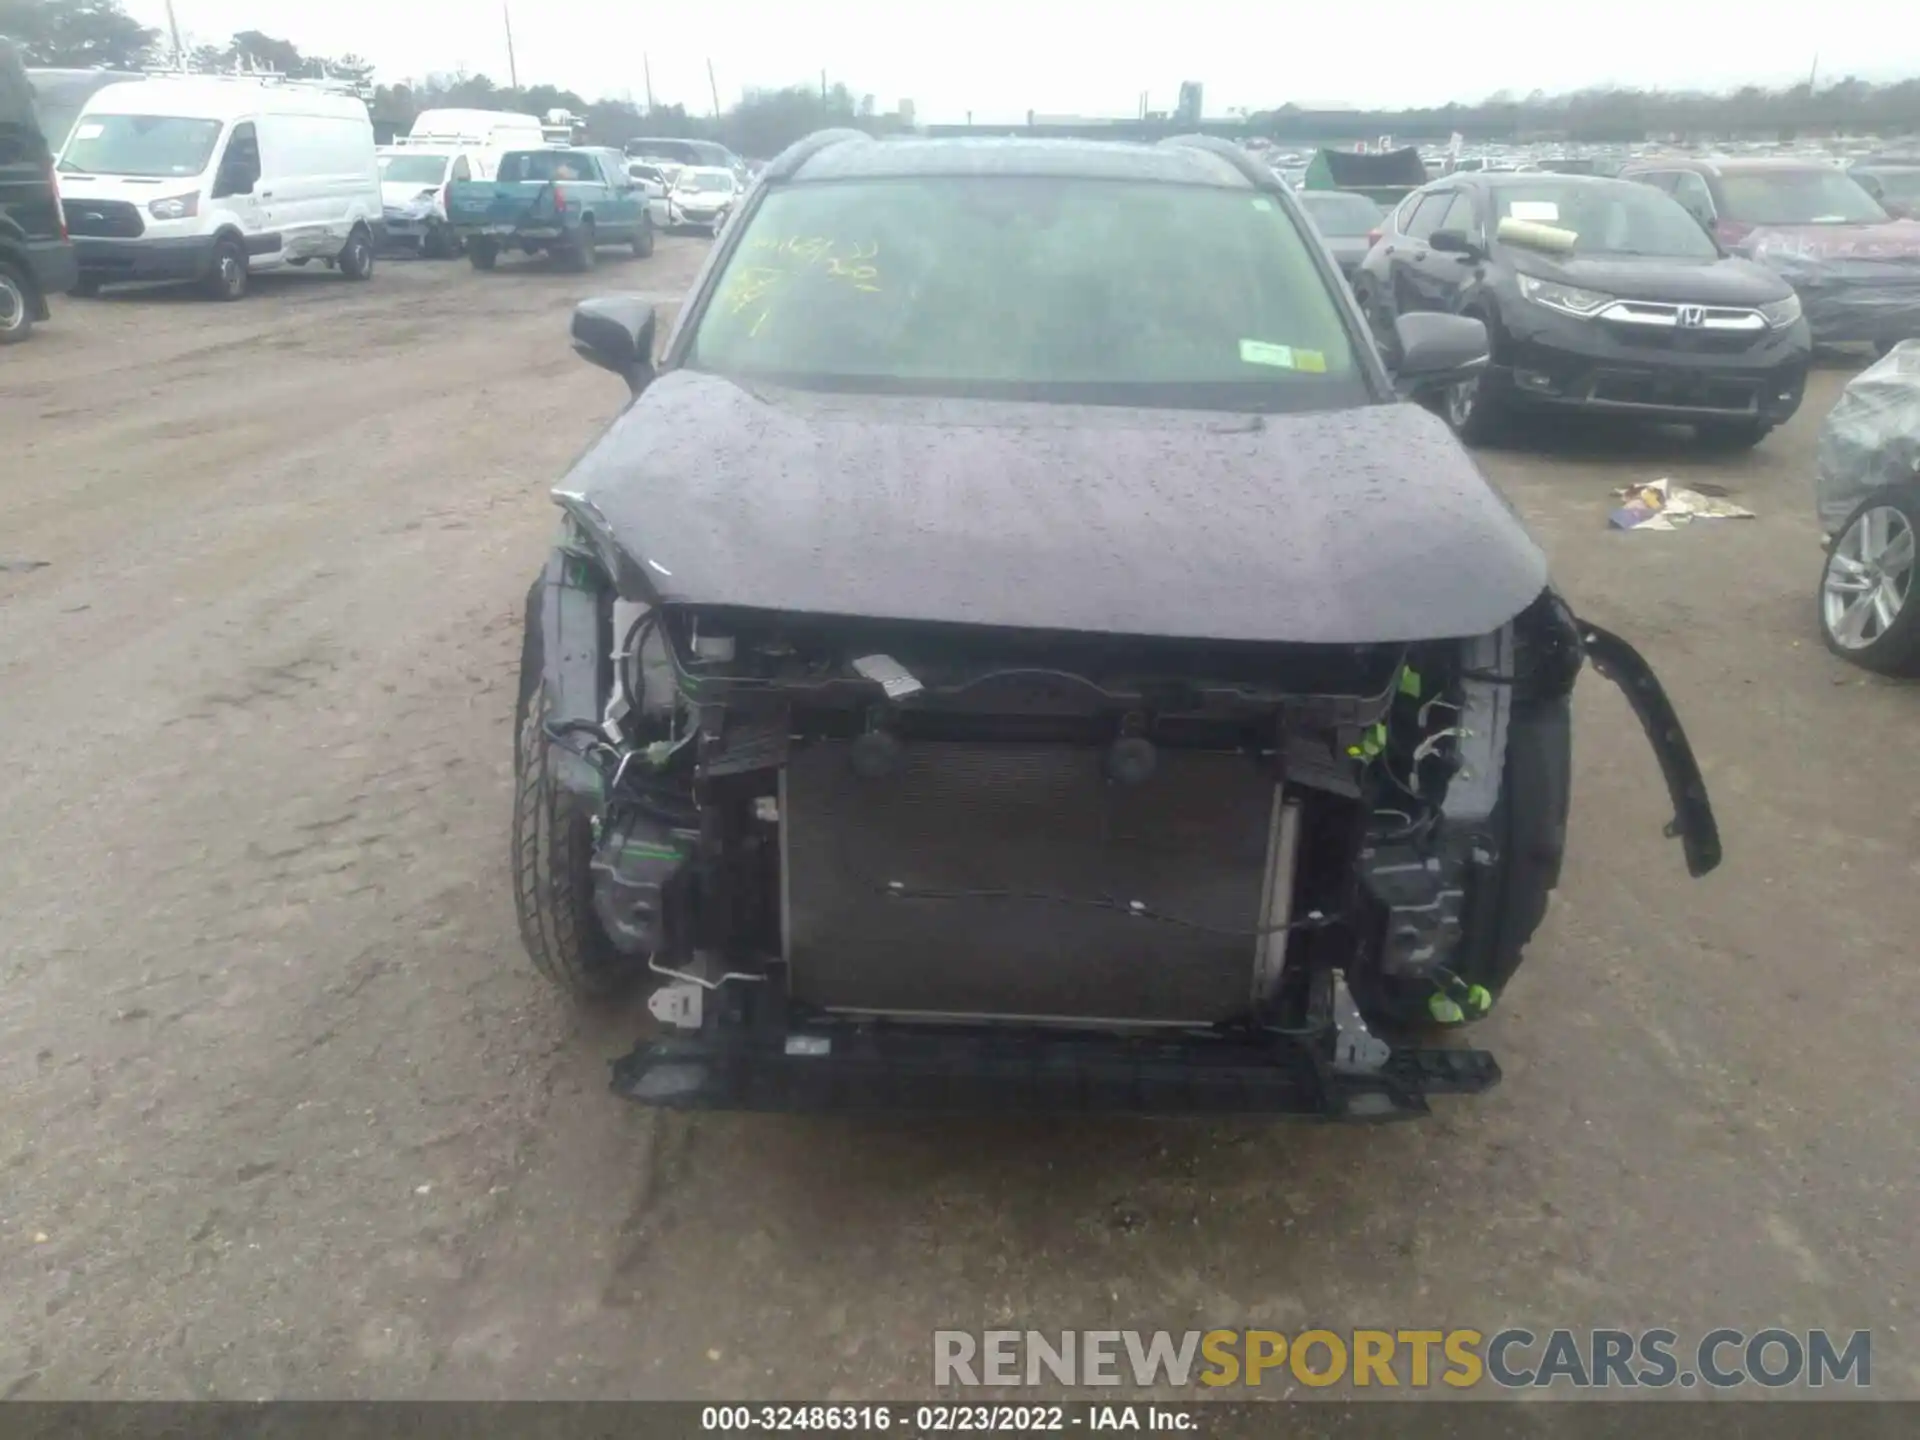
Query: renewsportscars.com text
x: 1511, y: 1359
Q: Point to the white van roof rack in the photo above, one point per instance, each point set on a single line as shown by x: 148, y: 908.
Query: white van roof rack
x: 331, y: 84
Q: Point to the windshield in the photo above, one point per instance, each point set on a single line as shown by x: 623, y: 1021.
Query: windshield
x: 1900, y: 186
x: 1617, y: 217
x: 413, y: 169
x: 60, y: 95
x: 56, y: 120
x: 1336, y: 214
x: 1812, y: 196
x: 140, y: 145
x: 704, y: 184
x: 1107, y: 291
x: 679, y: 151
x: 520, y: 165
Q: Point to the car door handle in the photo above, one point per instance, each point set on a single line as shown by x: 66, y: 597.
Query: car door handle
x: 1419, y: 254
x: 1388, y: 250
x: 266, y: 194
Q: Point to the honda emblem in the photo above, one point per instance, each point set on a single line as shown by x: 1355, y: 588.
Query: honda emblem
x: 1692, y: 317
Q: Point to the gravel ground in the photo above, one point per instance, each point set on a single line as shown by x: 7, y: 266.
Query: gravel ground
x: 285, y: 1112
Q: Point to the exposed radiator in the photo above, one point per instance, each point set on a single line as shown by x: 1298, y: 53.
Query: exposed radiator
x: 1191, y: 842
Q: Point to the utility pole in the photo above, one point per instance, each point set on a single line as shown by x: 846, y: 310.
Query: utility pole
x: 646, y: 72
x: 714, y: 86
x: 823, y: 87
x: 1814, y: 73
x: 173, y: 28
x: 513, y: 69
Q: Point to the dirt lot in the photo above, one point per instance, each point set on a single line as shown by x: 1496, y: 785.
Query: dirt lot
x: 287, y: 1113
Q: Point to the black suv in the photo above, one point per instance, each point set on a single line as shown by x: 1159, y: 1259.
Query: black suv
x: 1018, y: 650
x: 36, y: 258
x: 1599, y: 295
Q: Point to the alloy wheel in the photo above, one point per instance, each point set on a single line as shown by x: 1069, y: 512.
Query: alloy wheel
x: 1869, y: 578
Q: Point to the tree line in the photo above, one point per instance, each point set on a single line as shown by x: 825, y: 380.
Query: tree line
x: 1610, y: 114
x: 99, y: 32
x: 87, y: 33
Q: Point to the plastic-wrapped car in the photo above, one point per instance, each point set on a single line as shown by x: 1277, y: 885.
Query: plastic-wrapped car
x: 1868, y: 499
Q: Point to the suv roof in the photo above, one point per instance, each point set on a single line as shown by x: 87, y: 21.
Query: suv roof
x: 1732, y: 164
x: 1169, y: 162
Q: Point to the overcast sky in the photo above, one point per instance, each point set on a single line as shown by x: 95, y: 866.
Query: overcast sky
x: 999, y: 58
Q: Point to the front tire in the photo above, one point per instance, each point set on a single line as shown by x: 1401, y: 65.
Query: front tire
x: 483, y: 254
x: 227, y: 280
x: 1869, y: 612
x: 552, y: 859
x: 1472, y: 411
x: 356, y: 258
x: 643, y: 242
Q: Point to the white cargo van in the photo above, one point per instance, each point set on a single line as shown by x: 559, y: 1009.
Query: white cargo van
x: 413, y: 190
x: 211, y: 177
x: 493, y: 131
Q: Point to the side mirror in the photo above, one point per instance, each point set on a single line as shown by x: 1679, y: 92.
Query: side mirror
x: 616, y: 333
x: 1438, y: 350
x: 1455, y: 242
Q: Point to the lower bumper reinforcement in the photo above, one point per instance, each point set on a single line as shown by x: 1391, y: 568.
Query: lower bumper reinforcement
x: 937, y: 1069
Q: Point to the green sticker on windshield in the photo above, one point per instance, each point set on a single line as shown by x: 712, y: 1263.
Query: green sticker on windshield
x: 1259, y: 352
x: 1260, y: 202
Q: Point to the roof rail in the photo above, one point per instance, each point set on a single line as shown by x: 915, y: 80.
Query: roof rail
x: 359, y: 89
x: 1258, y: 175
x: 784, y: 165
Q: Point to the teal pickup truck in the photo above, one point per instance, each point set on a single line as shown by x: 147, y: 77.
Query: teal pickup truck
x: 565, y: 202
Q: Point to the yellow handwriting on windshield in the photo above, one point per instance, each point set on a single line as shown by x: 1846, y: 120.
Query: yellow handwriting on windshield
x: 773, y: 264
x: 797, y: 254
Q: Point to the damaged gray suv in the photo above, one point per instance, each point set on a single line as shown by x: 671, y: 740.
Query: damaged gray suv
x: 1021, y: 649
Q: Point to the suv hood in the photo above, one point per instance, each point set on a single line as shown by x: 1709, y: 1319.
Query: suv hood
x: 1334, y: 527
x: 1707, y: 281
x: 1882, y: 240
